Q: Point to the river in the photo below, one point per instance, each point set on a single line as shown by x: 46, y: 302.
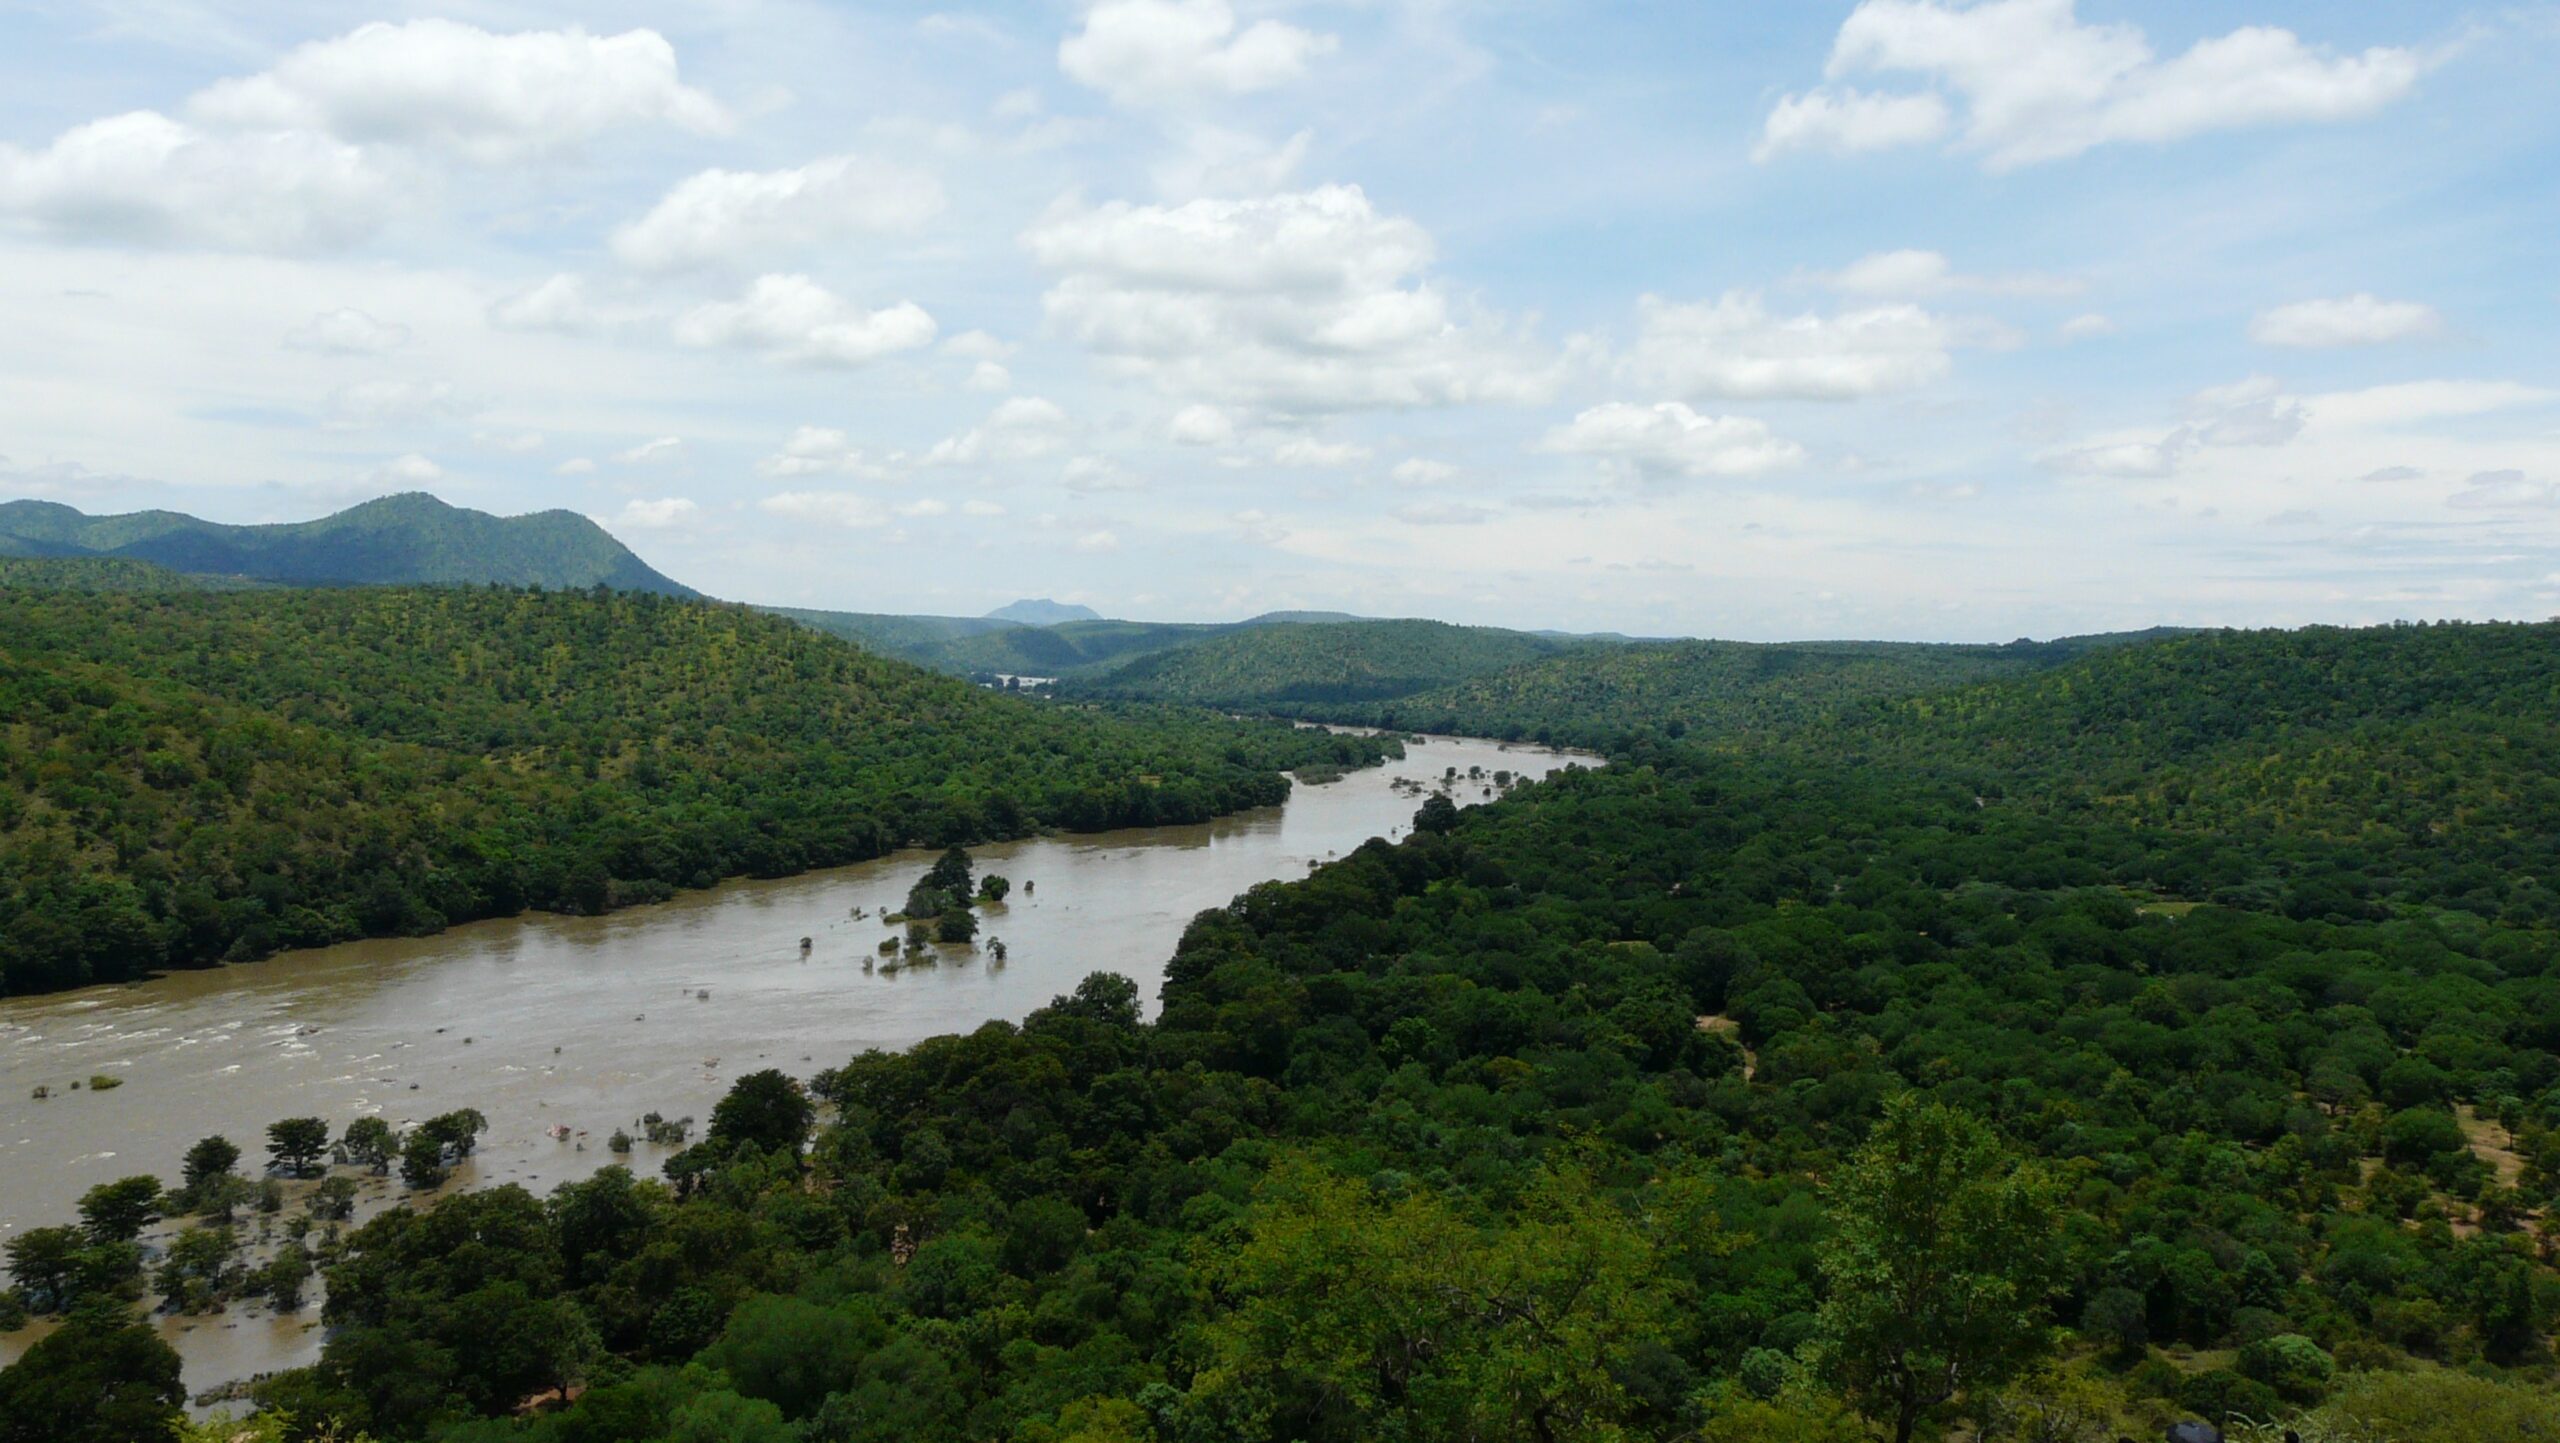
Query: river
x: 585, y: 1023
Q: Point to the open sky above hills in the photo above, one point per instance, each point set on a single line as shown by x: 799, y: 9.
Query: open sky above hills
x: 1900, y: 319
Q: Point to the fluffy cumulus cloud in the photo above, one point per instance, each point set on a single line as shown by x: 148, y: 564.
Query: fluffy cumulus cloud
x: 1201, y: 426
x: 1163, y: 52
x: 723, y: 216
x: 445, y: 85
x: 2038, y: 84
x: 1306, y: 301
x: 2357, y: 320
x: 819, y: 450
x: 1018, y: 430
x: 144, y: 178
x: 793, y: 318
x: 1671, y: 440
x: 318, y: 151
x: 1734, y: 347
x: 657, y: 515
x: 1848, y: 120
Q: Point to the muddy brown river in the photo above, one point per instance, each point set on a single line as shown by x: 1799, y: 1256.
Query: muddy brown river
x: 584, y: 1023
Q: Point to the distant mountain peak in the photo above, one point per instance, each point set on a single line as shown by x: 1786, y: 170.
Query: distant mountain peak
x: 1041, y: 611
x: 409, y: 538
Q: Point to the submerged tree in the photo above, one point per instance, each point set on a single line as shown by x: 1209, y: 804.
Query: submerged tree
x: 295, y: 1144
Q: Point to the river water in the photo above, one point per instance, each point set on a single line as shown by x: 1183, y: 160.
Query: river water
x: 585, y: 1023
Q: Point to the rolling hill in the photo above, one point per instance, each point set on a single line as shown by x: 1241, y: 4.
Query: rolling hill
x: 410, y: 539
x: 188, y: 777
x: 1310, y: 668
x: 1594, y: 695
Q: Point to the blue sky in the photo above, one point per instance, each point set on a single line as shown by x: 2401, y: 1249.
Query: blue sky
x: 1910, y: 318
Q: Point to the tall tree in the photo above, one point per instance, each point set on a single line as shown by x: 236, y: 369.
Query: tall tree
x: 102, y: 1378
x: 1944, y: 1251
x: 296, y: 1143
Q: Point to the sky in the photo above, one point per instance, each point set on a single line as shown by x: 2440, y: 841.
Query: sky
x: 1912, y: 319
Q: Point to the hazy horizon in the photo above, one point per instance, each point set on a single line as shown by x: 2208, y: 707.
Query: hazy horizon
x: 1904, y: 320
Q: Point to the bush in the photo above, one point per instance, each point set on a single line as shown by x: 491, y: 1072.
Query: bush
x: 2291, y: 1364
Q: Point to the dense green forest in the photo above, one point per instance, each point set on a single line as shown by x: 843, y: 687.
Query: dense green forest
x: 408, y: 539
x: 986, y: 646
x: 188, y: 778
x: 2171, y: 1033
x: 1320, y: 665
x: 1598, y: 696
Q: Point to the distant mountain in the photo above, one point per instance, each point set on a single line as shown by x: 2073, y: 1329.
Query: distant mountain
x: 1042, y: 611
x: 1306, y: 666
x: 406, y: 539
x: 910, y: 638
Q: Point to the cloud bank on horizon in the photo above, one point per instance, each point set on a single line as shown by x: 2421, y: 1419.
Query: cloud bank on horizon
x: 1907, y: 318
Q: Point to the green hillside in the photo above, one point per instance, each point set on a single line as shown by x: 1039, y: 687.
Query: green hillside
x: 912, y: 638
x: 397, y: 540
x: 188, y: 777
x: 1310, y: 666
x: 106, y: 573
x: 1762, y: 1090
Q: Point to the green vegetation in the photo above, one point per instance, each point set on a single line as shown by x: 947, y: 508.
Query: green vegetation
x: 1834, y: 1087
x: 192, y: 778
x: 406, y: 539
x: 104, y: 573
x: 1598, y: 696
x: 1298, y: 666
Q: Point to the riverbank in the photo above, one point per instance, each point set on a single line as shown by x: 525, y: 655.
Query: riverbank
x: 588, y: 1022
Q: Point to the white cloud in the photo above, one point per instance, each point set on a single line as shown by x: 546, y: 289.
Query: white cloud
x: 2251, y: 412
x: 1733, y: 346
x: 1020, y: 429
x: 1215, y: 161
x: 2087, y: 327
x: 575, y: 466
x: 514, y: 442
x: 924, y: 506
x: 386, y: 403
x: 652, y: 453
x: 981, y: 508
x: 2504, y: 491
x: 1164, y: 52
x: 1669, y: 439
x: 1423, y: 471
x: 819, y: 450
x: 1920, y: 275
x: 1850, y: 120
x: 1087, y: 475
x: 446, y: 85
x: 834, y: 508
x: 793, y: 318
x: 1097, y: 541
x: 1307, y: 301
x: 1307, y: 451
x: 409, y: 470
x: 2357, y: 320
x: 723, y: 216
x: 990, y: 376
x: 347, y: 332
x: 2039, y: 85
x: 655, y: 515
x: 1201, y: 426
x: 560, y: 303
x: 145, y: 178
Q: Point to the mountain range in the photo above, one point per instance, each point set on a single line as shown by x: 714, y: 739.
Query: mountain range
x: 408, y: 539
